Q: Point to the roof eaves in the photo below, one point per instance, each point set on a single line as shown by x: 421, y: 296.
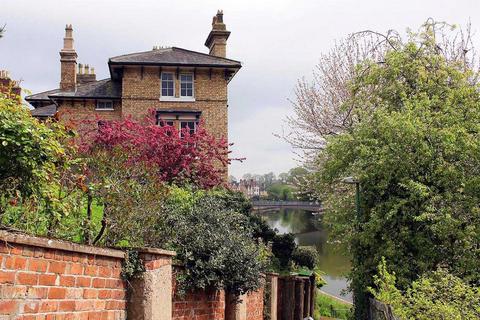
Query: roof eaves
x: 208, y: 55
x: 83, y: 97
x: 205, y: 65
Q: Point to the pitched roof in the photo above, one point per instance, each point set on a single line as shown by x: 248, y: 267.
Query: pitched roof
x: 41, y: 95
x: 174, y: 57
x: 105, y: 88
x: 47, y: 111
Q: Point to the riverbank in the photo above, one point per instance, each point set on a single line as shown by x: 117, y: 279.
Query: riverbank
x: 328, y: 306
x: 309, y: 231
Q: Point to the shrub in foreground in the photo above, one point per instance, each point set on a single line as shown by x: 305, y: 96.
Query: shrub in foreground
x: 435, y: 295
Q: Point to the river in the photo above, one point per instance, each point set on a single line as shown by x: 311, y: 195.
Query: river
x: 309, y: 231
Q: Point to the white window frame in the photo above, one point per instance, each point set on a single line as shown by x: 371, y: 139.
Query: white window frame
x: 193, y: 85
x: 161, y: 85
x: 104, y: 109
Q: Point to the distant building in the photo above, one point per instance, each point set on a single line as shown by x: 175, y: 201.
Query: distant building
x: 249, y: 188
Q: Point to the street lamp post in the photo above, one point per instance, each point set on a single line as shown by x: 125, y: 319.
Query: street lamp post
x: 357, y: 292
x: 352, y: 180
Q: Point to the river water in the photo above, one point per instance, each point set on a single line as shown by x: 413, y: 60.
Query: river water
x: 309, y: 231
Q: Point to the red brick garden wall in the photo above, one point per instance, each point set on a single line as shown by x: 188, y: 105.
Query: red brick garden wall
x: 198, y: 305
x: 52, y: 283
x: 46, y: 279
x: 255, y: 305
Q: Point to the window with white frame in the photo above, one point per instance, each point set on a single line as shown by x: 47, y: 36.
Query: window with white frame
x: 168, y: 84
x: 104, y: 105
x: 186, y: 85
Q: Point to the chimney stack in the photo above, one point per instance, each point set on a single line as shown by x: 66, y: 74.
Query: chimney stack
x: 85, y: 74
x: 217, y: 39
x: 68, y: 62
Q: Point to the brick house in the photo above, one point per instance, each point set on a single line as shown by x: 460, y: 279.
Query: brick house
x: 249, y: 187
x: 181, y: 85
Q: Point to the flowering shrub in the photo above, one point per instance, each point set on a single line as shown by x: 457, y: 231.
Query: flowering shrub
x: 174, y: 156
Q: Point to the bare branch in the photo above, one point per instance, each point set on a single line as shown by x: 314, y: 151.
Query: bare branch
x: 319, y: 109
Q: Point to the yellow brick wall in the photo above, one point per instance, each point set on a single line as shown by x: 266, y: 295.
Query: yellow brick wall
x: 78, y: 111
x: 141, y: 93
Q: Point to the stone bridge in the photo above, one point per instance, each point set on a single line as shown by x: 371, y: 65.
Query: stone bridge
x: 264, y: 205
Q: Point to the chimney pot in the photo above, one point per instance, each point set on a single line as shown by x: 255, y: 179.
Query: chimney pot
x: 68, y: 62
x: 217, y: 39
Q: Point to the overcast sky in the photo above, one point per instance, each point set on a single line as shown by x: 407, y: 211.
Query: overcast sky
x: 278, y: 42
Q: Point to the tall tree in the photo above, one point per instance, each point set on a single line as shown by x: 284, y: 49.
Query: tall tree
x: 415, y: 150
x: 319, y: 106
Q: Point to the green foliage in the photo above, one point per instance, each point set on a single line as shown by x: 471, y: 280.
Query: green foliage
x: 295, y: 175
x: 435, y: 295
x: 305, y: 257
x: 327, y: 306
x: 415, y: 149
x: 132, y: 266
x: 280, y: 191
x: 215, y: 245
x: 38, y: 182
x: 29, y: 151
x: 319, y: 280
x: 132, y: 202
x: 283, y: 247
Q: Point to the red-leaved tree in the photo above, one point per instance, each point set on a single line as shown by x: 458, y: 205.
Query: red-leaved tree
x: 174, y: 156
x: 127, y: 165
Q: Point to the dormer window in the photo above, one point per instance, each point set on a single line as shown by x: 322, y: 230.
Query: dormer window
x: 104, y: 105
x: 168, y: 84
x: 186, y: 85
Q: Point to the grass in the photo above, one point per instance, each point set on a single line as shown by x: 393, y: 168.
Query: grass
x: 327, y: 306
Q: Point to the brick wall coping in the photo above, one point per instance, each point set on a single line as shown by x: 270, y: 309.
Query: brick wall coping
x: 20, y: 238
x: 156, y: 251
x: 272, y: 274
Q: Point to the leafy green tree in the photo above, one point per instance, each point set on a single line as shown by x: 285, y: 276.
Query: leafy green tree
x: 296, y: 174
x: 435, y: 295
x: 305, y: 256
x: 215, y: 244
x: 278, y: 191
x: 283, y: 247
x: 415, y: 150
x: 283, y: 177
x: 38, y: 183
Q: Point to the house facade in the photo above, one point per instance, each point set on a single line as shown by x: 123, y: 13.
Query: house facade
x: 183, y: 87
x: 249, y: 187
